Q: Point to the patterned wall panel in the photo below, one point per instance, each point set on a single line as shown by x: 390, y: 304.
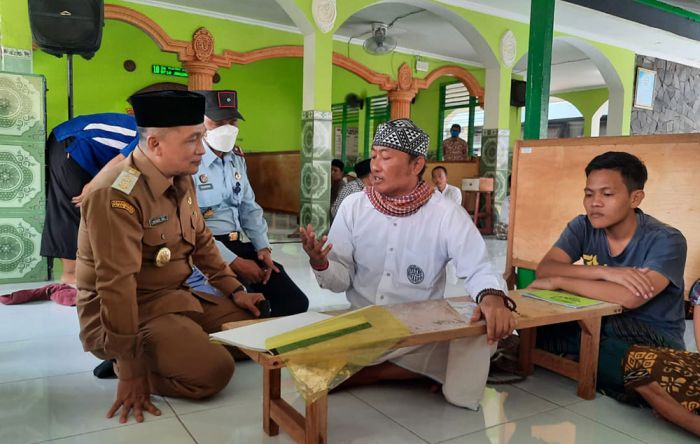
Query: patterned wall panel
x: 315, y: 170
x: 494, y: 163
x: 22, y: 177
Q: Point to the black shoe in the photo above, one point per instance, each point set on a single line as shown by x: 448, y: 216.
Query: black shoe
x: 105, y: 370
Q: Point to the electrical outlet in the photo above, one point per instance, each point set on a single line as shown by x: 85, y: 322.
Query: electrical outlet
x: 422, y: 66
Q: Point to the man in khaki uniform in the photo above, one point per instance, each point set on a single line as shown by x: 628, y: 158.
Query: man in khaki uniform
x: 140, y: 233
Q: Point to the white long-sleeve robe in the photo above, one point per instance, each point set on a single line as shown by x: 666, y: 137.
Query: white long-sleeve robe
x: 379, y: 259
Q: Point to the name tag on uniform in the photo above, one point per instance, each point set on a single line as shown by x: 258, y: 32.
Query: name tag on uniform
x: 206, y: 186
x: 158, y: 220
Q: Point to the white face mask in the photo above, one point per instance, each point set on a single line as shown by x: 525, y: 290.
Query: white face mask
x: 222, y: 138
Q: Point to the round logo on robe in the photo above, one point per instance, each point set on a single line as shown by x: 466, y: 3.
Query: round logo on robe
x: 415, y: 274
x: 203, y: 178
x: 237, y: 175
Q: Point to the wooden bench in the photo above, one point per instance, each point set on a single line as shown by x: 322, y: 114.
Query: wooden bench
x: 434, y: 321
x: 547, y: 192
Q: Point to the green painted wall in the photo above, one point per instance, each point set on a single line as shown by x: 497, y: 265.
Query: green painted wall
x: 269, y: 99
x: 14, y: 24
x: 425, y: 112
x: 587, y: 101
x: 227, y: 34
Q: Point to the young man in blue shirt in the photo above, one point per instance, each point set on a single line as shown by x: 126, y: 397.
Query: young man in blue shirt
x: 629, y: 258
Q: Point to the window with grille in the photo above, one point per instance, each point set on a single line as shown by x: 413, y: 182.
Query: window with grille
x: 346, y: 122
x: 377, y: 110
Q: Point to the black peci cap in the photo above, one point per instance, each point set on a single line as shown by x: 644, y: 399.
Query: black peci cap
x: 162, y: 109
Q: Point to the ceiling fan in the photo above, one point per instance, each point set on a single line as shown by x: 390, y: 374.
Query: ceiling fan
x: 379, y: 42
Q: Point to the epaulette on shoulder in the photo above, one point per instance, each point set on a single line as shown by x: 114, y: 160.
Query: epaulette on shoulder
x: 126, y: 180
x: 238, y: 151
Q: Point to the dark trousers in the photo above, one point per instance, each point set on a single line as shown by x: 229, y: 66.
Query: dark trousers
x: 284, y: 295
x: 66, y: 180
x: 617, y: 335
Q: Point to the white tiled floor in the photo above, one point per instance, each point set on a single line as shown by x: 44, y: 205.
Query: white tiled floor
x: 48, y: 394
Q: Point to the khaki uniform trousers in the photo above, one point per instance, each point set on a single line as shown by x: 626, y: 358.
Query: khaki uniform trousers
x: 181, y: 360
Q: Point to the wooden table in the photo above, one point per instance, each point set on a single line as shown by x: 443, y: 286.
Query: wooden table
x: 435, y: 321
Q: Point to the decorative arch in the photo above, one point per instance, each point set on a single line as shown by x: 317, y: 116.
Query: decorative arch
x: 384, y: 81
x: 463, y: 75
x: 595, y: 120
x: 580, y: 111
x: 616, y: 89
x: 613, y: 82
x: 198, y: 57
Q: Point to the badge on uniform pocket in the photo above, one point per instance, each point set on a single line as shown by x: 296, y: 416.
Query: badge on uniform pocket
x: 163, y: 257
x: 205, y: 186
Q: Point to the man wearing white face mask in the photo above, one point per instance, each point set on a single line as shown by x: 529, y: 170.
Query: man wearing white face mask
x: 227, y: 203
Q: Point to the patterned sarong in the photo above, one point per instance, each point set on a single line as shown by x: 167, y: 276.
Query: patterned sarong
x: 677, y: 371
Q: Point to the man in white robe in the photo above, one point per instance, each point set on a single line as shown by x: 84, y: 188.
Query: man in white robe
x: 390, y: 244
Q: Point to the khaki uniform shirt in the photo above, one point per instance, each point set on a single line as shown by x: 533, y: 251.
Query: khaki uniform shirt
x: 125, y: 221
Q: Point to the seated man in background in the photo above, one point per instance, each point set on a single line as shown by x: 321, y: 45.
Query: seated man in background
x: 451, y: 192
x: 337, y: 175
x: 227, y: 202
x: 76, y: 151
x: 629, y: 258
x: 390, y: 244
x: 363, y: 180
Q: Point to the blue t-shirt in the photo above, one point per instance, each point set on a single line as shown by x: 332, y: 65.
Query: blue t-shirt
x: 656, y: 246
x: 98, y: 138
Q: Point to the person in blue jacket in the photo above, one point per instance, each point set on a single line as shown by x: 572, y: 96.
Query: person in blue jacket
x: 76, y: 151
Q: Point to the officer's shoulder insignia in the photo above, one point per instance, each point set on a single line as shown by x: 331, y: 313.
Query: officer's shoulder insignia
x: 126, y: 180
x: 123, y: 205
x: 238, y: 151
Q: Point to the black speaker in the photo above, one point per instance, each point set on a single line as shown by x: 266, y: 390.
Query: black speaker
x: 517, y: 92
x: 67, y: 26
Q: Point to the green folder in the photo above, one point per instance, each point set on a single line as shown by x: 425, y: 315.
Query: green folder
x: 561, y: 298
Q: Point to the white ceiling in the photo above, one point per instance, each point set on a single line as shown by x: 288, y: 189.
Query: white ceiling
x: 427, y: 34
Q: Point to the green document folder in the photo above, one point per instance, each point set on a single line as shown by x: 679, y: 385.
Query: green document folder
x: 561, y: 298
